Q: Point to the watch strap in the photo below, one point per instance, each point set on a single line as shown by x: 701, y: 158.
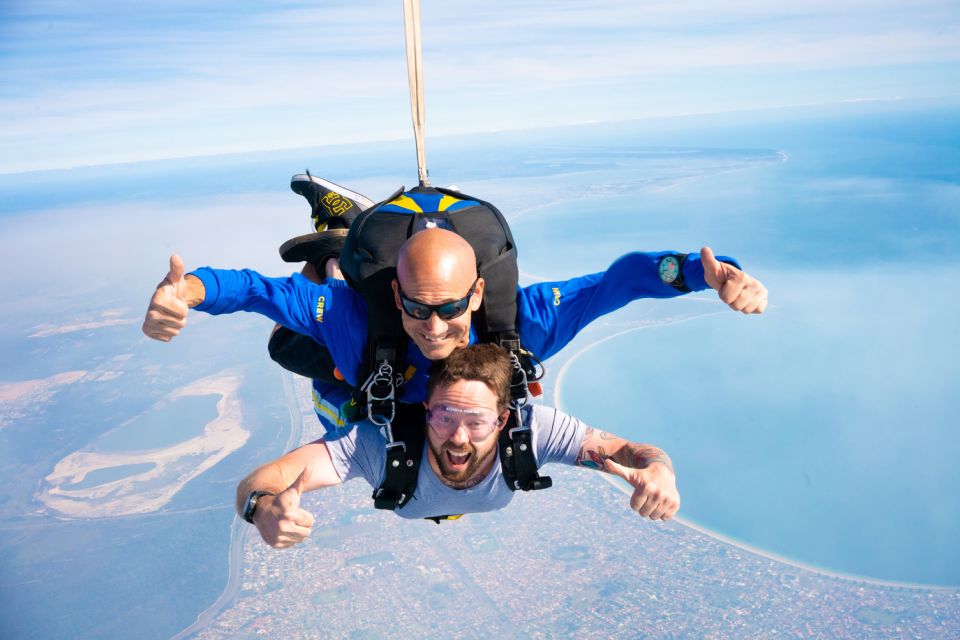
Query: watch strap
x: 250, y: 505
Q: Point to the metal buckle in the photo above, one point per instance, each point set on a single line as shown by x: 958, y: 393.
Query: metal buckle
x: 518, y: 383
x: 394, y: 444
x: 380, y: 390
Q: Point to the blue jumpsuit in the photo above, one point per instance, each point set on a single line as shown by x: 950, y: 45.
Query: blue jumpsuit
x: 549, y: 314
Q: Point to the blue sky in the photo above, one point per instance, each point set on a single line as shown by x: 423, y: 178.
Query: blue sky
x: 104, y: 82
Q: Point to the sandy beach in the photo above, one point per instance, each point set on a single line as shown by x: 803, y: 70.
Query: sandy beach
x: 171, y: 467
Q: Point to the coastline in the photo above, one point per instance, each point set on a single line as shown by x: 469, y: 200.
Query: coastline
x: 171, y: 469
x: 744, y: 546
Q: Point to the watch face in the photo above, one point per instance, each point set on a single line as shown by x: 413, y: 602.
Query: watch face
x: 669, y: 269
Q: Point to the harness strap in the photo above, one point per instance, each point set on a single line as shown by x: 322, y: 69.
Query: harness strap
x: 437, y: 519
x: 381, y: 392
x: 517, y: 461
x: 404, y: 455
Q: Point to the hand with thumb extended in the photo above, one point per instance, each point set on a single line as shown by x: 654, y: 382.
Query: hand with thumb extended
x: 655, y: 494
x: 280, y: 520
x: 741, y: 291
x: 167, y: 313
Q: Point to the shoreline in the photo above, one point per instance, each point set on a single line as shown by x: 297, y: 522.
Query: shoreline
x: 149, y: 490
x: 744, y: 546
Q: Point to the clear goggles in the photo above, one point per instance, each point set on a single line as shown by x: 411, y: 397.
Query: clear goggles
x: 445, y: 421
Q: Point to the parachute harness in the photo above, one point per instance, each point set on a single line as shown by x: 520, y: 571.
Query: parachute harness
x: 404, y: 425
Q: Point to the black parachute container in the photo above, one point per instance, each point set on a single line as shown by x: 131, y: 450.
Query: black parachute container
x: 369, y: 256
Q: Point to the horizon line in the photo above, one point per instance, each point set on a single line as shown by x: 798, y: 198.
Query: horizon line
x: 843, y: 102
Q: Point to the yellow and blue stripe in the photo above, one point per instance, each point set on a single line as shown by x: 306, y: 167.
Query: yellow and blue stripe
x: 413, y: 202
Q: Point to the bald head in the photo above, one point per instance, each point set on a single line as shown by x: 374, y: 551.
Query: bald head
x: 435, y: 267
x: 436, y: 255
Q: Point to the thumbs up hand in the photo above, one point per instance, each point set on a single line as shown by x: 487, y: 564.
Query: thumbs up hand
x: 280, y: 520
x: 740, y: 291
x: 167, y: 313
x: 655, y: 494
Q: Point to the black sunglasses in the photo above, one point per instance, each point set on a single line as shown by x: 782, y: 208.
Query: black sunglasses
x: 446, y: 311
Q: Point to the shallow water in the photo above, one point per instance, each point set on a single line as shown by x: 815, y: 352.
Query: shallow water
x: 823, y: 430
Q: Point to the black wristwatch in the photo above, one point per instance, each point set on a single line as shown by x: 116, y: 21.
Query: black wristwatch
x: 670, y: 269
x: 250, y: 506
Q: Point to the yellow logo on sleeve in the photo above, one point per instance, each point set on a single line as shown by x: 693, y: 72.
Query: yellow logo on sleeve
x: 556, y: 297
x: 321, y: 301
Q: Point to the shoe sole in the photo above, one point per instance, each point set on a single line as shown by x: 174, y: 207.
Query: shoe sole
x: 314, y: 247
x: 361, y: 200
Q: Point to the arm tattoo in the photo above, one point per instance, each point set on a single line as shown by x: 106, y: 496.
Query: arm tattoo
x: 630, y: 454
x: 641, y: 456
x: 587, y: 457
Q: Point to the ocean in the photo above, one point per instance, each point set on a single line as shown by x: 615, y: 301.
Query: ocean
x: 821, y: 431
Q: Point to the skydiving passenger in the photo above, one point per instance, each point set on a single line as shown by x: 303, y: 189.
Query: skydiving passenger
x: 467, y: 406
x: 437, y: 290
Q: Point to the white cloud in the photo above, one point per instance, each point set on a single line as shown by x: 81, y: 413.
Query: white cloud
x: 110, y: 83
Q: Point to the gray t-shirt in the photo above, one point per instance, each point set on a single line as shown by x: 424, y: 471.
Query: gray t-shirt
x: 361, y: 452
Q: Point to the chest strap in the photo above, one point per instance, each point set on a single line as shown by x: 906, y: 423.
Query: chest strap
x: 405, y: 455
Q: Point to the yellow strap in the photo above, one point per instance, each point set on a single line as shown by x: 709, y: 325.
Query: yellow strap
x: 453, y: 517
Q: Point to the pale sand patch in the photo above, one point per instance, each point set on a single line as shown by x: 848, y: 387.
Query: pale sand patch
x: 33, y: 390
x: 174, y: 466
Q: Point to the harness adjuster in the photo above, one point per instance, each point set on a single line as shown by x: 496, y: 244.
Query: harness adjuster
x: 381, y: 393
x: 518, y: 383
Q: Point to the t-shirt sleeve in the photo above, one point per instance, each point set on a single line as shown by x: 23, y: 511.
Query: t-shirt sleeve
x: 358, y: 453
x: 557, y: 435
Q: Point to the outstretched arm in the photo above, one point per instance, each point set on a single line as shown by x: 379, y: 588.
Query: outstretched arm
x: 552, y: 313
x: 295, y: 302
x: 647, y: 468
x: 279, y: 518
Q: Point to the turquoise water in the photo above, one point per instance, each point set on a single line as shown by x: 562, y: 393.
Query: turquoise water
x: 825, y: 430
x: 109, y: 474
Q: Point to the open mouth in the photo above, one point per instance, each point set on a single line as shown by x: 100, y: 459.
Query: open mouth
x: 458, y: 459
